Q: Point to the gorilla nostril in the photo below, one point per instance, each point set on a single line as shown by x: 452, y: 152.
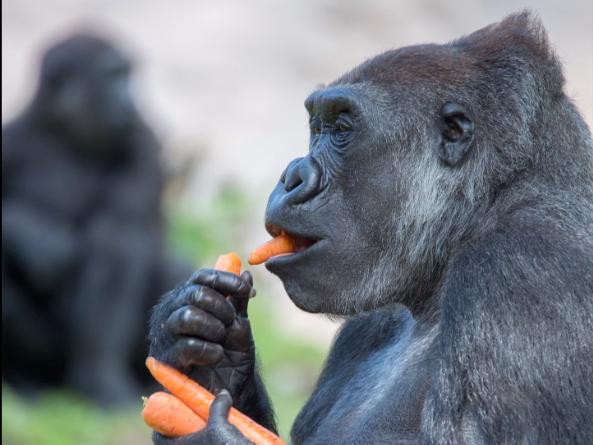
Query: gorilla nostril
x: 292, y: 176
x: 301, y: 180
x: 309, y: 180
x: 293, y: 179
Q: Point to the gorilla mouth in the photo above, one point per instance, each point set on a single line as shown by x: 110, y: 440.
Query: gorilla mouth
x: 287, y: 243
x: 300, y: 242
x: 282, y: 244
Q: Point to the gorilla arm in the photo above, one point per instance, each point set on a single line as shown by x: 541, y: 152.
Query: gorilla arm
x: 41, y: 247
x: 38, y: 243
x: 499, y: 298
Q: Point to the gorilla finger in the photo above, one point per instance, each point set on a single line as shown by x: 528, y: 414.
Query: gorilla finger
x: 224, y: 282
x: 192, y: 321
x: 190, y: 351
x: 241, y: 300
x: 192, y: 439
x: 214, y: 303
x: 176, y: 298
x: 246, y: 275
x: 159, y: 439
x: 219, y: 410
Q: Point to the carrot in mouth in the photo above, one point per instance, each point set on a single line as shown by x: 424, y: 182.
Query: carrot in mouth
x: 281, y: 244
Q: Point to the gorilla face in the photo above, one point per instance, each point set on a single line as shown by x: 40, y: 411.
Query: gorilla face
x: 338, y: 203
x: 109, y: 92
x: 85, y: 92
x: 370, y: 205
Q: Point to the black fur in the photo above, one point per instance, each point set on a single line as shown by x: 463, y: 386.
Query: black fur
x: 445, y: 209
x: 82, y: 260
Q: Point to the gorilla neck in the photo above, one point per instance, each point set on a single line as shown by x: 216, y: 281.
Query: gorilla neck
x: 112, y: 149
x: 420, y: 275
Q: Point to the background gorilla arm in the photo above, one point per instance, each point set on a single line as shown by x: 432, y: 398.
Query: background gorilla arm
x: 26, y: 232
x: 28, y: 229
x: 500, y: 380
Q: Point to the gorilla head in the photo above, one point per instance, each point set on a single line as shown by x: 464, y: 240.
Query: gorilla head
x: 407, y: 153
x: 84, y: 92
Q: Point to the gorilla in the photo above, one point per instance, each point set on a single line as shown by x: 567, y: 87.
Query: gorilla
x: 81, y: 228
x: 445, y: 212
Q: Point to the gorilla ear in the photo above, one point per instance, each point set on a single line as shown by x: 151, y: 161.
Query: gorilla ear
x: 457, y: 133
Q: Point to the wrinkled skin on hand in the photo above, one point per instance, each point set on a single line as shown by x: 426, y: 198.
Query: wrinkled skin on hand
x: 218, y: 431
x: 202, y: 329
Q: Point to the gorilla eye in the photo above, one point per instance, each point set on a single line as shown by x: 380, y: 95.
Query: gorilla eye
x: 342, y: 128
x: 342, y: 132
x: 315, y: 125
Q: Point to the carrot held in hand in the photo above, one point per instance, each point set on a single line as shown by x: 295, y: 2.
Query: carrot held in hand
x: 199, y: 400
x: 186, y: 409
x: 229, y: 262
x: 279, y: 245
x: 169, y: 416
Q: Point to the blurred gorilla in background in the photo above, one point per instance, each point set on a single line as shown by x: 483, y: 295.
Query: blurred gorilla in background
x: 82, y: 251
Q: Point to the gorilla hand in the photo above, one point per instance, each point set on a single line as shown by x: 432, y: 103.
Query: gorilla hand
x: 217, y: 431
x: 206, y: 335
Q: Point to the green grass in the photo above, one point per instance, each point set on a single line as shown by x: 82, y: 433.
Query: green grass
x: 60, y: 418
x: 289, y: 365
x: 202, y: 236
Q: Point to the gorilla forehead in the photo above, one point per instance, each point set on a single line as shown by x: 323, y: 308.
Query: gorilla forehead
x: 410, y: 66
x: 77, y: 52
x: 514, y: 50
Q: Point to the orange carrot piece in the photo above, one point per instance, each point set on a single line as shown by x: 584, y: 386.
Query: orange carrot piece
x: 199, y: 400
x: 281, y: 244
x: 229, y: 262
x: 169, y: 416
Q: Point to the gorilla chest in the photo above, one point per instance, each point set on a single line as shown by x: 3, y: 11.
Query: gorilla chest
x: 379, y: 399
x: 65, y: 186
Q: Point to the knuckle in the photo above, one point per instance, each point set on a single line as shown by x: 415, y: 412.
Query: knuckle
x: 243, y: 287
x: 192, y: 344
x: 188, y: 317
x: 202, y: 295
x: 185, y: 351
x: 199, y: 276
x: 217, y: 351
x: 180, y: 296
x: 219, y: 332
x: 174, y: 320
x: 197, y: 297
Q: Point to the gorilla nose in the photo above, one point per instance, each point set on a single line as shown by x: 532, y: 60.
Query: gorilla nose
x: 301, y: 179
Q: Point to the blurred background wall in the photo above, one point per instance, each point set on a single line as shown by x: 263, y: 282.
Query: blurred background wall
x: 223, y: 83
x: 228, y: 78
